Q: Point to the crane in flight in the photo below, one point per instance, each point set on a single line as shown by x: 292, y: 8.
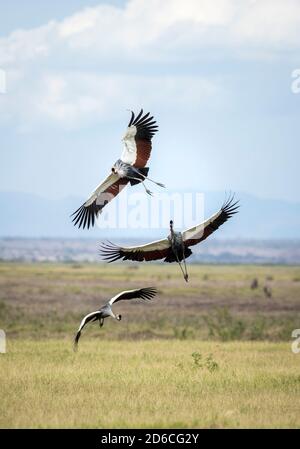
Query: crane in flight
x: 105, y: 311
x: 175, y: 247
x: 130, y: 168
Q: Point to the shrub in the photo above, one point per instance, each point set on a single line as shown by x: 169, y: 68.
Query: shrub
x: 207, y: 362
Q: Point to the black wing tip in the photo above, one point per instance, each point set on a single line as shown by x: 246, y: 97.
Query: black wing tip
x: 77, y: 210
x: 148, y: 293
x: 85, y: 216
x: 231, y: 205
x: 150, y: 289
x: 110, y: 252
x: 131, y: 118
x: 79, y: 216
x: 144, y: 123
x: 76, y: 340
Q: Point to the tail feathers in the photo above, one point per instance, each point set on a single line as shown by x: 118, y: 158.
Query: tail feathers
x: 143, y: 171
x: 172, y: 258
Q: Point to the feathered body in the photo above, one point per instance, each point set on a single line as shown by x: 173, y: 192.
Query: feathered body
x: 179, y: 250
x: 124, y: 170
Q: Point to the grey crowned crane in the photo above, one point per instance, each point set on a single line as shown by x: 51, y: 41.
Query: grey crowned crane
x: 130, y: 168
x: 176, y: 247
x: 105, y: 311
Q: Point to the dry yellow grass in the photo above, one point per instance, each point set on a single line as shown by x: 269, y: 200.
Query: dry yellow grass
x: 148, y: 384
x: 116, y: 380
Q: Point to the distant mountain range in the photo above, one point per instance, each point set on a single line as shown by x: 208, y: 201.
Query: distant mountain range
x: 29, y: 216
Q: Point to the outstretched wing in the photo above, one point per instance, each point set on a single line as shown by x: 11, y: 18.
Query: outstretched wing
x: 200, y: 232
x: 159, y: 249
x: 87, y: 319
x: 137, y: 139
x: 145, y: 294
x: 86, y: 214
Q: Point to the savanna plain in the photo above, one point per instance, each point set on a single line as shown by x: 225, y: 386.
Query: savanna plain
x: 213, y: 353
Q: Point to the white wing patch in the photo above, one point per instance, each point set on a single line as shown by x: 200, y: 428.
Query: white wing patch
x: 129, y: 151
x: 107, y: 182
x: 157, y: 245
x: 112, y: 300
x: 83, y: 322
x: 197, y: 231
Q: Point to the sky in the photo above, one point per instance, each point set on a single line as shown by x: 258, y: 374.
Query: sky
x: 221, y: 78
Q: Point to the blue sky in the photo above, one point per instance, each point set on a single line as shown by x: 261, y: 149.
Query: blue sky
x: 216, y: 75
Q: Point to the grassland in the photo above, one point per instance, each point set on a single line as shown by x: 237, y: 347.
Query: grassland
x: 149, y: 384
x: 213, y: 353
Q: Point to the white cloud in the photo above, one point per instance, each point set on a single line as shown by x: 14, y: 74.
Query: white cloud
x: 149, y: 27
x: 78, y: 98
x: 26, y: 46
x: 119, y: 52
x: 77, y: 23
x: 270, y: 24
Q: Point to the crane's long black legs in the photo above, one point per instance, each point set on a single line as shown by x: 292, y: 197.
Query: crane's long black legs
x: 101, y: 322
x: 185, y: 275
x: 142, y: 182
x: 148, y: 179
x: 155, y: 182
x: 147, y: 190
